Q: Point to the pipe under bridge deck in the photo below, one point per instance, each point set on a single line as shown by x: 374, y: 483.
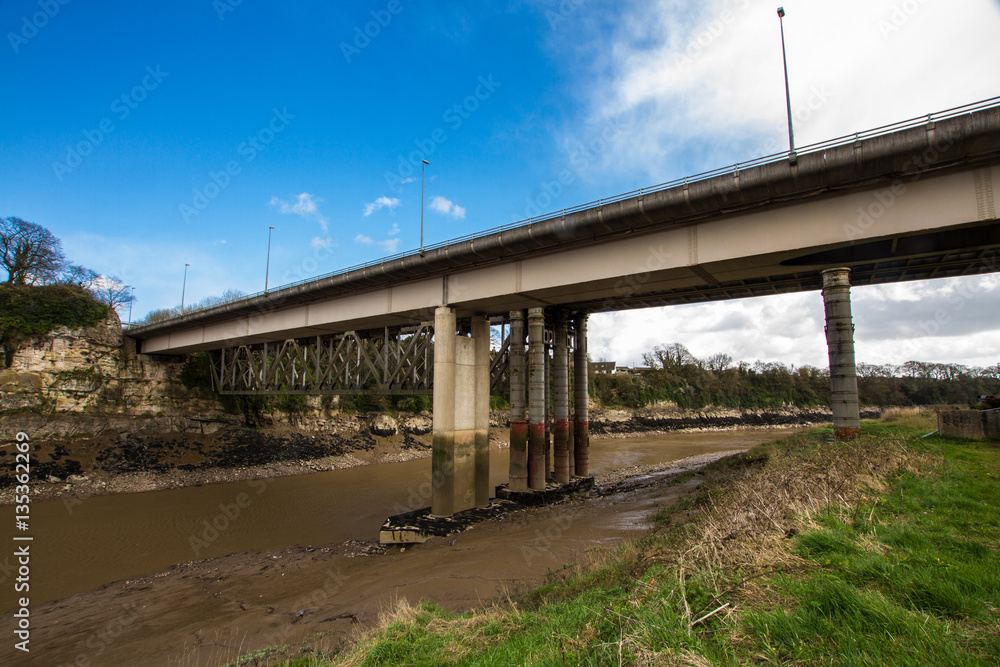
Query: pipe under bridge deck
x: 910, y: 201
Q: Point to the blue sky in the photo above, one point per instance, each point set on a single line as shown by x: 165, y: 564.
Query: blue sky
x: 150, y: 135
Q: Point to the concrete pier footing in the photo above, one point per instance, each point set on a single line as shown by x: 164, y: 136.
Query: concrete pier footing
x: 840, y: 342
x: 460, y: 456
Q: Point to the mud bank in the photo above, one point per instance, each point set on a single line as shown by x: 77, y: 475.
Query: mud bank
x: 85, y: 455
x: 659, y: 420
x: 78, y: 456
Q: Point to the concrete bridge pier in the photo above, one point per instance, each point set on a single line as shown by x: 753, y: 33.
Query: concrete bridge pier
x: 481, y: 342
x: 840, y: 343
x: 560, y: 396
x: 460, y: 457
x: 548, y: 411
x: 536, y: 398
x: 581, y: 427
x: 518, y: 479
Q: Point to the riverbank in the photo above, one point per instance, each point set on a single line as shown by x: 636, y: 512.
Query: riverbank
x: 316, y: 597
x: 79, y: 456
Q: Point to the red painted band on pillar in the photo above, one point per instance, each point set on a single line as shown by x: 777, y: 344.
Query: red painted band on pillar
x: 846, y: 433
x: 581, y: 450
x: 518, y: 455
x: 536, y: 455
x: 561, y: 456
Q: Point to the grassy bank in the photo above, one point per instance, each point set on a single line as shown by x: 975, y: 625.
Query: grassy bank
x: 875, y: 552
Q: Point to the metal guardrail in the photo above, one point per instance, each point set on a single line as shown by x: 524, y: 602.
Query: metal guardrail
x: 703, y: 176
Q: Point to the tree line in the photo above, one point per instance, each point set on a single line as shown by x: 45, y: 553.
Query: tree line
x: 162, y: 314
x: 679, y: 377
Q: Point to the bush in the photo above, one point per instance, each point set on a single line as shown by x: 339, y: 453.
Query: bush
x: 29, y: 311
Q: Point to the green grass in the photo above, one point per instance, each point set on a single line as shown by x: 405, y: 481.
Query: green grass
x: 905, y: 572
x: 913, y: 579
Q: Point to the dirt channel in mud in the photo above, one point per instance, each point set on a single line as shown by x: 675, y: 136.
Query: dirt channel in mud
x: 302, y: 557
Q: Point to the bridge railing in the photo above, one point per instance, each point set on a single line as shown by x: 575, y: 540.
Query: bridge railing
x: 844, y: 140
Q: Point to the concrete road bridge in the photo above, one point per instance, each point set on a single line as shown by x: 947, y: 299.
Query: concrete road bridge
x: 910, y: 201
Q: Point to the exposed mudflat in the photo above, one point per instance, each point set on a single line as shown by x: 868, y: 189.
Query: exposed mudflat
x: 81, y: 466
x: 95, y: 457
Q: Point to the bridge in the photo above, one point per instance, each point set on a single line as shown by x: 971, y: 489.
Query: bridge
x: 909, y: 201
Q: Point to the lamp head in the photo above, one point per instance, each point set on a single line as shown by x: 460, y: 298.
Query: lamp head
x: 425, y: 161
x: 781, y: 12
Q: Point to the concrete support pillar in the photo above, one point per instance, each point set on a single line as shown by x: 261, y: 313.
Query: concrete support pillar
x: 536, y: 398
x: 481, y: 340
x: 548, y: 411
x: 840, y: 342
x: 443, y: 442
x: 560, y: 400
x: 518, y: 480
x: 459, y: 395
x: 581, y: 427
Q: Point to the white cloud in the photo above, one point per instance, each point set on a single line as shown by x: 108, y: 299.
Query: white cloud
x: 362, y: 239
x: 305, y: 205
x: 447, y: 207
x: 318, y: 242
x: 394, y: 230
x: 389, y: 246
x: 700, y: 87
x: 380, y: 203
x: 676, y: 88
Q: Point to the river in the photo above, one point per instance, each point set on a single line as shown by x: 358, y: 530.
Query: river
x: 81, y: 545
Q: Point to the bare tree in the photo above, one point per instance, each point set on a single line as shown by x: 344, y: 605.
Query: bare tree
x: 112, y: 291
x: 74, y: 274
x: 717, y: 363
x: 30, y: 253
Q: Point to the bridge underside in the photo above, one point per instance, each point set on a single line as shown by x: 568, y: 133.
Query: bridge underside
x: 966, y: 251
x: 941, y: 226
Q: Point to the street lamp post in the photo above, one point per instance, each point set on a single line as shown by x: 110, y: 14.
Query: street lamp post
x: 131, y: 298
x: 184, y: 287
x: 423, y: 164
x: 267, y: 267
x: 788, y: 98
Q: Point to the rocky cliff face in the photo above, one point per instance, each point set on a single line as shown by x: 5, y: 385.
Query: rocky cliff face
x: 95, y: 370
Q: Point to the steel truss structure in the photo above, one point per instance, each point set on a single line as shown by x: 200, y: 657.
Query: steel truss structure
x: 383, y: 362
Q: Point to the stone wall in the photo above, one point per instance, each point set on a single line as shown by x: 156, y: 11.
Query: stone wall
x: 991, y: 422
x: 975, y: 424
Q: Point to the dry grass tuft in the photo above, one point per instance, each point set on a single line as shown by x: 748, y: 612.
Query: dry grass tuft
x: 667, y: 658
x: 914, y: 417
x: 743, y: 525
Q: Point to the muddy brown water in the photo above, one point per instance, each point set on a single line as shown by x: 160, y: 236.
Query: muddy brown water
x: 81, y: 545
